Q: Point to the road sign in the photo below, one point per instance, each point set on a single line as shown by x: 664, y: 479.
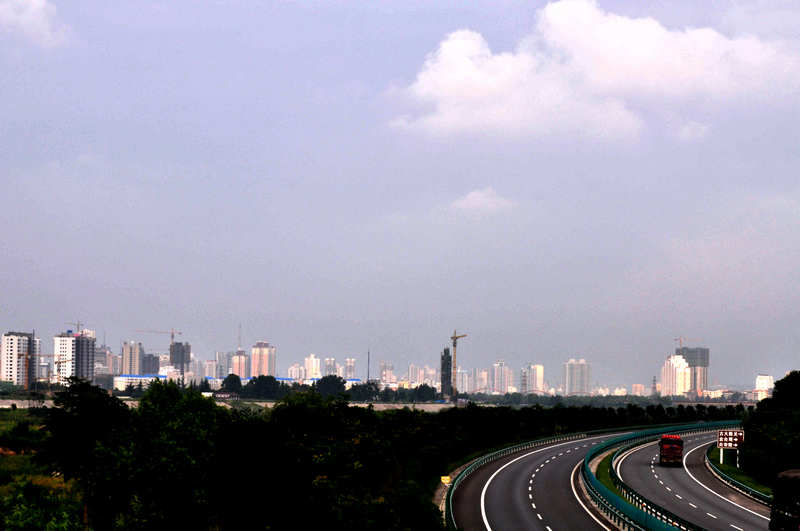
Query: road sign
x: 730, y: 438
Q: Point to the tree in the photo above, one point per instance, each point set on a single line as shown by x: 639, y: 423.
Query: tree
x: 205, y: 387
x: 330, y: 385
x: 366, y: 392
x: 232, y: 383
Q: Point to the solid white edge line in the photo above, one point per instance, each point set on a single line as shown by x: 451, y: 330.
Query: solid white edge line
x: 686, y: 455
x: 488, y: 481
x: 575, y: 493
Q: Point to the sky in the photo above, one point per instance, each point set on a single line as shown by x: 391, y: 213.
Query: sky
x: 572, y: 179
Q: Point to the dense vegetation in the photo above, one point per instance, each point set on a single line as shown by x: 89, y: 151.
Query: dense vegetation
x: 772, y: 432
x: 179, y: 460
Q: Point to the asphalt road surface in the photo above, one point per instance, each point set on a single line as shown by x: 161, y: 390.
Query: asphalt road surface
x: 532, y: 489
x: 691, y: 491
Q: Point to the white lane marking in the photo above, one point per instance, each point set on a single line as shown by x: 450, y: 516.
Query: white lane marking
x: 669, y: 489
x: 489, y: 481
x: 693, y: 505
x: 736, y: 527
x: 712, y: 516
x: 660, y: 482
x: 533, y: 505
x: 529, y: 487
x: 656, y: 475
x: 548, y: 528
x: 686, y: 455
x: 530, y: 480
x: 539, y: 515
x: 618, y: 465
x: 530, y: 496
x: 679, y: 496
x: 574, y: 493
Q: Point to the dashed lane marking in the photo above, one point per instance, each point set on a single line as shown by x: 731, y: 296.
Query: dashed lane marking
x: 693, y: 506
x: 712, y: 516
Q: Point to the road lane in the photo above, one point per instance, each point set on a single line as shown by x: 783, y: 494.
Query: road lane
x: 685, y: 490
x: 531, y: 489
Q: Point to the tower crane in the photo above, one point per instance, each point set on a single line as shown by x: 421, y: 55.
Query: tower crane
x: 455, y: 337
x: 171, y: 333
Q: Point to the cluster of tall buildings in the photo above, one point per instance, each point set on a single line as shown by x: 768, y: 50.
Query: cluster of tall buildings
x: 314, y: 368
x: 23, y: 363
x: 685, y: 373
x: 499, y: 378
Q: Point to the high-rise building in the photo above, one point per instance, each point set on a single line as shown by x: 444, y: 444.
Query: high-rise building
x: 349, y: 368
x: 577, y: 377
x: 697, y: 358
x: 297, y: 372
x: 239, y: 364
x: 263, y: 359
x: 209, y: 368
x: 74, y: 356
x: 638, y: 390
x: 531, y: 379
x: 132, y: 353
x: 330, y: 366
x: 223, y: 363
x: 502, y: 379
x: 481, y: 380
x: 676, y: 376
x: 18, y: 361
x: 386, y: 369
x: 446, y: 371
x: 150, y: 364
x: 311, y: 364
x: 179, y: 355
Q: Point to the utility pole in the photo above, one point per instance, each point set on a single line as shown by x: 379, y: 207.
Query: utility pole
x: 455, y: 337
x: 367, y: 365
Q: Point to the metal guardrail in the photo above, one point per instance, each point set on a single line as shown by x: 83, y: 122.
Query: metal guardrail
x: 451, y: 520
x: 632, y: 510
x: 738, y: 485
x: 493, y: 456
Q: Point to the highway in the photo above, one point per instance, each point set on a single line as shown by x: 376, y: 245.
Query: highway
x: 691, y: 491
x: 532, y: 489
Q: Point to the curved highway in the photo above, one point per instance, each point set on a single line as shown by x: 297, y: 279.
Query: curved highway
x: 691, y: 491
x: 531, y: 489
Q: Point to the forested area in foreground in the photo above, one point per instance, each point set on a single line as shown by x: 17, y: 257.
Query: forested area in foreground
x: 179, y: 460
x: 772, y: 432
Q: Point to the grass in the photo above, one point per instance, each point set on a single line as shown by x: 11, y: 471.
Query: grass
x: 730, y: 470
x: 603, y: 474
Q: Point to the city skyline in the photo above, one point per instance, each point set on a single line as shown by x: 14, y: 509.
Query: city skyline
x: 411, y: 179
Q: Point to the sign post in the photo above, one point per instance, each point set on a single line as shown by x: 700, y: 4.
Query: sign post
x: 729, y: 439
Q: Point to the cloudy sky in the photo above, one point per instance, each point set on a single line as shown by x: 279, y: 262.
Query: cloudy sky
x: 566, y: 179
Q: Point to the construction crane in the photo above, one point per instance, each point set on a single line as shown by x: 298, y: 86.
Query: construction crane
x: 171, y: 333
x: 681, y: 339
x: 78, y: 326
x: 455, y: 337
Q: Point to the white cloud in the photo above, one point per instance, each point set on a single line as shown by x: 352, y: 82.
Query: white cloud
x: 587, y: 71
x: 483, y: 201
x: 35, y: 19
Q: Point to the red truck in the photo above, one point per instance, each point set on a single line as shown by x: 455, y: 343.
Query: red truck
x: 670, y: 450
